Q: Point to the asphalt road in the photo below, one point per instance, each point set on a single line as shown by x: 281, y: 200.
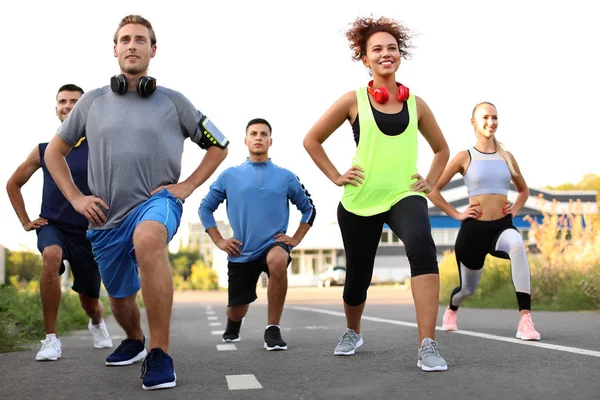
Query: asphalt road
x: 485, y: 360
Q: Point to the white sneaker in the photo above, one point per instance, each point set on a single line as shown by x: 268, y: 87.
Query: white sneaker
x: 51, y: 349
x: 102, y: 339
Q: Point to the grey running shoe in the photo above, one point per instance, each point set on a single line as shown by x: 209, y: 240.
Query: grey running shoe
x: 429, y: 358
x: 349, y: 342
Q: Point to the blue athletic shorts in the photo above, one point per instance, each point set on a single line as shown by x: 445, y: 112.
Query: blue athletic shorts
x: 113, y: 248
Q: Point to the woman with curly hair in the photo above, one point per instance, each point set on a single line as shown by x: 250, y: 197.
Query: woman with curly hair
x: 383, y: 185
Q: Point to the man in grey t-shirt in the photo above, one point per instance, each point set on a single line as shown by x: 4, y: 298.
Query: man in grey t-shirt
x: 136, y: 132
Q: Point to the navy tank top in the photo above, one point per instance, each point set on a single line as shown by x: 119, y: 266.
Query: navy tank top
x: 55, y: 207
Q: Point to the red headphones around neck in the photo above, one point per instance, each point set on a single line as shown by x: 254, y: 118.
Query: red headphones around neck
x: 382, y: 95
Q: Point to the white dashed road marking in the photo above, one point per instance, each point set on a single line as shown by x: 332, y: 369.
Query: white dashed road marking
x: 243, y: 382
x: 226, y: 347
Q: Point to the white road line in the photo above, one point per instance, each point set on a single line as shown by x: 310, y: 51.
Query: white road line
x: 242, y: 382
x: 542, y: 345
x: 213, y: 318
x: 217, y: 332
x: 112, y: 337
x: 208, y: 307
x: 215, y: 324
x: 226, y: 347
x: 210, y: 313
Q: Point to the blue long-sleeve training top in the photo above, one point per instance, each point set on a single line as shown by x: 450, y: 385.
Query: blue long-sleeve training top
x: 258, y: 196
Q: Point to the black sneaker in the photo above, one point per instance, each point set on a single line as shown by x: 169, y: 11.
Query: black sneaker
x: 273, y: 340
x: 232, y: 331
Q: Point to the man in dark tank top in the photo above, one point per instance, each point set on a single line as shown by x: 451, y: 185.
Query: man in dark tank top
x: 61, y: 236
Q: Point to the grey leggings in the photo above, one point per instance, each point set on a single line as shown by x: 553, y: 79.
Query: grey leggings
x: 499, y: 238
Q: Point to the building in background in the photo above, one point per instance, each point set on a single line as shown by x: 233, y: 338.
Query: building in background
x: 322, y: 248
x: 199, y: 240
x: 445, y: 229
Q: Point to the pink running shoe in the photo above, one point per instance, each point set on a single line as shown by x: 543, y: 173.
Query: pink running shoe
x: 449, y: 320
x: 526, y: 331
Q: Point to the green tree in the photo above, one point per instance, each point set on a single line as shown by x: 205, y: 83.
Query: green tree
x: 190, y: 272
x: 26, y: 265
x: 182, y: 261
x: 182, y: 266
x: 589, y: 182
x: 203, y: 277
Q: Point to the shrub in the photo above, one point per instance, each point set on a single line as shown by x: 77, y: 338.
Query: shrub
x: 567, y: 268
x: 564, y: 260
x: 200, y: 278
x: 21, y: 318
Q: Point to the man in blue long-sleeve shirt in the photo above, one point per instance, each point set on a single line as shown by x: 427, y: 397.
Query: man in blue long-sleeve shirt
x: 258, y: 194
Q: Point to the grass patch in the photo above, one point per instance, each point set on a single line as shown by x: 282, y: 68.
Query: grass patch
x: 21, y: 319
x: 552, y: 289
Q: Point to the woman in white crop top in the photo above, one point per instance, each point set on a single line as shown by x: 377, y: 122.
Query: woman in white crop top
x: 486, y: 226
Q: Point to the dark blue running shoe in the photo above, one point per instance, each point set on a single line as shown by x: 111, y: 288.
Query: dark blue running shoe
x: 157, y: 371
x: 128, y: 352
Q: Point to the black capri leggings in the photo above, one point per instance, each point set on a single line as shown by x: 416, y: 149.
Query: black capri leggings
x: 408, y: 219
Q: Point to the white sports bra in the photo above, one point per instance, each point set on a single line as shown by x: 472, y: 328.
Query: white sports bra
x: 487, y: 173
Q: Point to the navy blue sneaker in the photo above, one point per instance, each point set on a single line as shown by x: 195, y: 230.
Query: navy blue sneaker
x: 157, y: 371
x: 128, y: 352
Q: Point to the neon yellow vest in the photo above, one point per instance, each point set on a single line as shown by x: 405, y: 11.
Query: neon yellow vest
x: 388, y: 161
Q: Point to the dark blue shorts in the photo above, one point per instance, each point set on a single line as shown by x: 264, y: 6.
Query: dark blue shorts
x: 113, y: 247
x: 77, y: 250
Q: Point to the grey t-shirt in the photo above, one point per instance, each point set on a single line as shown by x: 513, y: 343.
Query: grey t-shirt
x: 135, y: 144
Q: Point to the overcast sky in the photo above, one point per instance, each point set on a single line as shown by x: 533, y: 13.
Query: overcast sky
x: 289, y: 61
